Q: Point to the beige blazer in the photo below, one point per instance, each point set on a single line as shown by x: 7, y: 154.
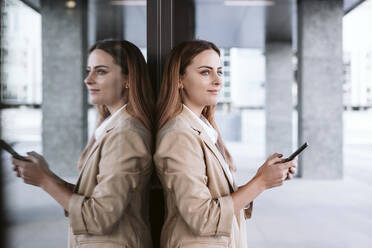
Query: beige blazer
x: 200, y: 211
x: 109, y: 206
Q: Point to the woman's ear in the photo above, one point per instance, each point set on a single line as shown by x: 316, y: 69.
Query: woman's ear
x: 126, y: 82
x: 180, y: 84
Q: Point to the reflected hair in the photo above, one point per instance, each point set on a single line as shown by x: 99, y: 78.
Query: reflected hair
x: 170, y: 97
x: 139, y: 95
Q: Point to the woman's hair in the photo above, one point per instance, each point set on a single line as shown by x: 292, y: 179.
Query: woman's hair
x: 170, y: 98
x: 139, y: 95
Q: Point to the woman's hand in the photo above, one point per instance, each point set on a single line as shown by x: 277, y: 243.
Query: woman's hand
x: 35, y: 172
x: 271, y: 174
x: 292, y: 170
x: 274, y: 171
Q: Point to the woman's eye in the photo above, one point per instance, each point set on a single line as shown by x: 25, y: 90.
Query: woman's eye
x: 220, y: 73
x: 101, y: 72
x: 205, y: 73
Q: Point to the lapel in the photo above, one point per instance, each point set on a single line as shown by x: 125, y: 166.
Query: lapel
x: 121, y: 117
x: 207, y: 140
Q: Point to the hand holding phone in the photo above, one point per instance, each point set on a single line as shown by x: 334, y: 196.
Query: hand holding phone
x: 5, y: 146
x: 297, y: 152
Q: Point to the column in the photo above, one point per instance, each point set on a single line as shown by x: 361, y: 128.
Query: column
x: 320, y: 88
x: 279, y: 105
x: 64, y: 105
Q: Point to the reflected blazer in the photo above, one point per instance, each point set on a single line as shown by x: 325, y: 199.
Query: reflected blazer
x: 109, y: 205
x: 200, y: 211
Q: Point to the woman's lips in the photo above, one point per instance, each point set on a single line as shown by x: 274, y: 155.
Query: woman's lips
x: 214, y: 92
x: 93, y: 91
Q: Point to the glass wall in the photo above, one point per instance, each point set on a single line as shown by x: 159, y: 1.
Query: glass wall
x: 32, y: 47
x: 37, y: 68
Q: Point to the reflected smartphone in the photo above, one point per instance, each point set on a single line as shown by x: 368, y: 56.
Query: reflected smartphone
x: 5, y: 146
x: 298, y: 151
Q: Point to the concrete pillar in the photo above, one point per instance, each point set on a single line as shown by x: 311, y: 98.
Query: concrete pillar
x: 279, y: 105
x: 64, y: 105
x: 320, y: 88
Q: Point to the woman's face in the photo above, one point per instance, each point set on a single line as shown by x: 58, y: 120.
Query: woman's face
x: 202, y: 80
x: 105, y: 81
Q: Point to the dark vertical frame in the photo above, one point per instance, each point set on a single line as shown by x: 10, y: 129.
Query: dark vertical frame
x: 159, y: 44
x: 85, y: 47
x: 298, y: 79
x: 184, y: 21
x: 169, y: 22
x: 2, y: 214
x: 159, y: 37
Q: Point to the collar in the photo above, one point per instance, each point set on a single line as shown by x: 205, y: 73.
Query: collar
x: 102, y: 128
x: 211, y: 132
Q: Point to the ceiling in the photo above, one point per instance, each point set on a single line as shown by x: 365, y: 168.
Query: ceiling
x: 250, y: 26
x: 229, y: 26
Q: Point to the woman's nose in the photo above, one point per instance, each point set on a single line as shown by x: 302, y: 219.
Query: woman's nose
x: 88, y: 79
x: 218, y: 79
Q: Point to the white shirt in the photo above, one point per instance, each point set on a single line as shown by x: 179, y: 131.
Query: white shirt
x: 213, y: 135
x: 99, y: 131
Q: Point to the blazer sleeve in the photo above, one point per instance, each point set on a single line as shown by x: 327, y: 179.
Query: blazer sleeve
x: 124, y: 157
x: 180, y: 161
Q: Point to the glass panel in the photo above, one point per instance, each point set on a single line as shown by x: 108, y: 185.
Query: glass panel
x: 34, y: 219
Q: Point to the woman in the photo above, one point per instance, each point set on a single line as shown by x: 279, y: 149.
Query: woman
x: 107, y: 205
x: 205, y: 208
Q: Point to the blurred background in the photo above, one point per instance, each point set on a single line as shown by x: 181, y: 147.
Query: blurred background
x: 294, y: 71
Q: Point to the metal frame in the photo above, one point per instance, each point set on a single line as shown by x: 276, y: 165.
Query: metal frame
x: 159, y: 37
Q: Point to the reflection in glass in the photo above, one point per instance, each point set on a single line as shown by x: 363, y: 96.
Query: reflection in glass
x: 21, y: 54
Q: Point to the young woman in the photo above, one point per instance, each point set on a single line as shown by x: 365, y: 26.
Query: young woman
x: 205, y: 208
x: 107, y: 207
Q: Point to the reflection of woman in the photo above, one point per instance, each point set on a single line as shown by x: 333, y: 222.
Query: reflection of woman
x: 204, y: 206
x: 107, y: 206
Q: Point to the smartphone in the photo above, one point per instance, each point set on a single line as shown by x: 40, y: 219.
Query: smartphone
x: 5, y: 146
x: 298, y: 151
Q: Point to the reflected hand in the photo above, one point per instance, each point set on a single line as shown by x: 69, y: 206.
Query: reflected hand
x: 35, y: 172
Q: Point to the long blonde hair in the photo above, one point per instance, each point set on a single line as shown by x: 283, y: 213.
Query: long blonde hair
x: 139, y: 95
x: 170, y: 101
